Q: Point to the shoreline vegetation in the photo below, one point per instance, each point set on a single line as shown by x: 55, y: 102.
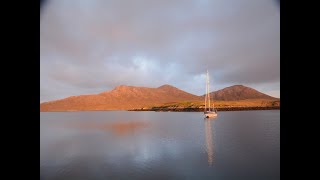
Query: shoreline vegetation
x: 202, y: 109
x: 195, y: 106
x: 242, y: 105
x: 178, y: 109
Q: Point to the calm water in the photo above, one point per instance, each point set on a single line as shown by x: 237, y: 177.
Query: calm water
x: 160, y: 145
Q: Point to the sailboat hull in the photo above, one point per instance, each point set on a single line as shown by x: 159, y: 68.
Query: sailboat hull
x: 210, y: 114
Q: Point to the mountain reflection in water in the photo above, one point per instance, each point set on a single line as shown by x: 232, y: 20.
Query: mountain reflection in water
x: 119, y: 128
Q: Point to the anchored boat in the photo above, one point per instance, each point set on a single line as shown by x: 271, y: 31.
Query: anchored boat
x: 208, y: 111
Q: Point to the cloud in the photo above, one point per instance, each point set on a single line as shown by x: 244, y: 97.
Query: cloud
x: 90, y: 46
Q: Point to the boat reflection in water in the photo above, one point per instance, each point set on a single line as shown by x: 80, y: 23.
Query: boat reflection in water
x: 209, y: 142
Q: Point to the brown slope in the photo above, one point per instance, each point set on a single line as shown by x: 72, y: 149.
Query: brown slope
x: 239, y: 92
x: 120, y: 98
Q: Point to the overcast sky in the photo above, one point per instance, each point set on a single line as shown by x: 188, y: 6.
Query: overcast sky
x: 92, y: 46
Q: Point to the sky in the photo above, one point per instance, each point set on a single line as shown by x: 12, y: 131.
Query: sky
x: 92, y: 46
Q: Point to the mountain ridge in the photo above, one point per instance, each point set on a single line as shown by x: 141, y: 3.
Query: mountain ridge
x: 128, y: 97
x: 238, y: 92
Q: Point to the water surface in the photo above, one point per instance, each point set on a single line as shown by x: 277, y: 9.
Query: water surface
x: 160, y: 145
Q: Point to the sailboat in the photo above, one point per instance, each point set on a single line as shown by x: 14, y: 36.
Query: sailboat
x: 208, y: 111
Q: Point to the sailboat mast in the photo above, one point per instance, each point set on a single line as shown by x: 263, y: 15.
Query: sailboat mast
x: 208, y: 89
x: 205, y: 100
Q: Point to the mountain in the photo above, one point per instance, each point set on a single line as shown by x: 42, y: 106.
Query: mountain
x: 121, y: 98
x: 238, y: 92
x: 130, y: 97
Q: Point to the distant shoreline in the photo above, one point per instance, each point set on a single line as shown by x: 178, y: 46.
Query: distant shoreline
x: 202, y: 109
x: 183, y: 109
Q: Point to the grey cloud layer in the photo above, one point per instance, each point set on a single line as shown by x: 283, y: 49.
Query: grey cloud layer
x: 89, y: 46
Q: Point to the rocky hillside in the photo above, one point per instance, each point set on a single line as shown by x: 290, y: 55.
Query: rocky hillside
x: 238, y: 92
x: 121, y: 98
